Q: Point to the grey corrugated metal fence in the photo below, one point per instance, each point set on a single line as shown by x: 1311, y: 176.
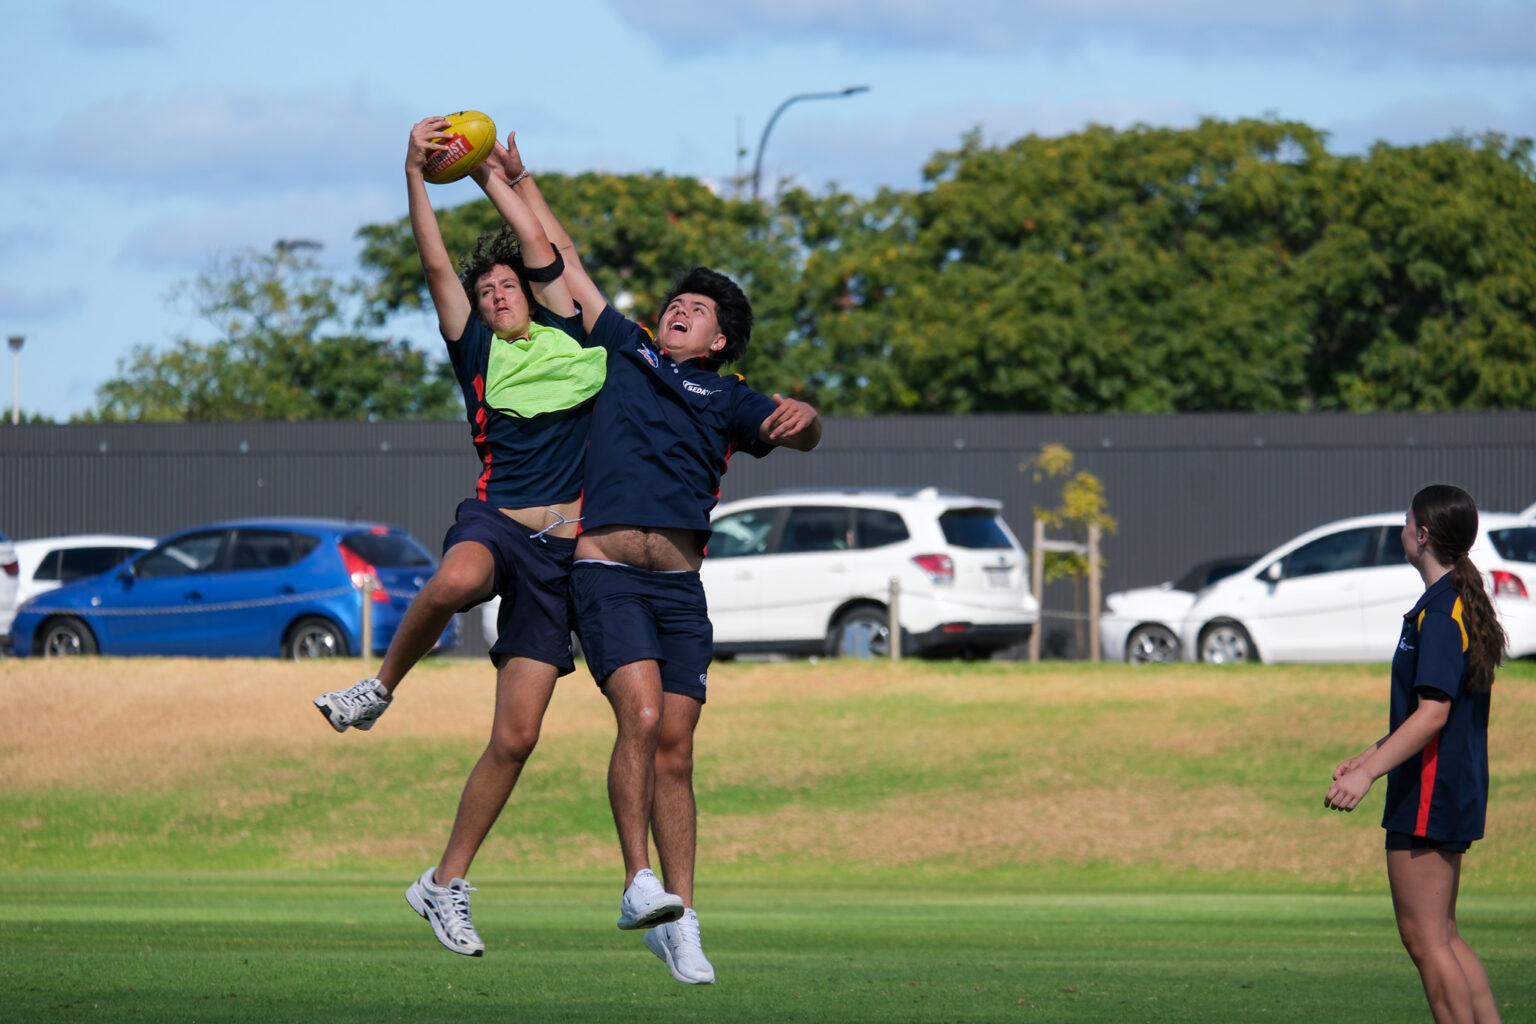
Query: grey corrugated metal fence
x: 1184, y: 488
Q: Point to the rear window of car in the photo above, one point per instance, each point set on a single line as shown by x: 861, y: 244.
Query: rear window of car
x: 391, y: 550
x: 973, y: 528
x: 1515, y: 544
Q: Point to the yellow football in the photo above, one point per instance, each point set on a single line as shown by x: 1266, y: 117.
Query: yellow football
x: 471, y: 136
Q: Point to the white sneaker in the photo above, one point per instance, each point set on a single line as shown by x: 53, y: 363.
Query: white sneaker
x: 646, y: 904
x: 360, y: 704
x: 679, y: 947
x: 447, y: 908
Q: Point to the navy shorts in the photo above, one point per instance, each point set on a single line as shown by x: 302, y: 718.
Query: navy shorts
x: 533, y: 579
x: 624, y: 614
x: 1406, y: 841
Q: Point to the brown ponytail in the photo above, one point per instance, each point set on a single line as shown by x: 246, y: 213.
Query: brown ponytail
x: 1485, y: 636
x: 1450, y: 516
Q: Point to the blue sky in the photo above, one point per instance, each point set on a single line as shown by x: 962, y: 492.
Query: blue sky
x: 152, y: 138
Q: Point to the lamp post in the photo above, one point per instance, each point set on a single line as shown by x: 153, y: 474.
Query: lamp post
x: 757, y: 166
x: 15, y: 342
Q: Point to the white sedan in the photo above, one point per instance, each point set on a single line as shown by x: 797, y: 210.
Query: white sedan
x: 1339, y: 592
x: 1141, y: 626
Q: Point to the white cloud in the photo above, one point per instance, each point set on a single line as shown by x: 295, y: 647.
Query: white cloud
x: 37, y: 306
x: 1351, y: 31
x: 15, y: 241
x: 224, y: 141
x: 96, y: 25
x: 189, y: 244
x: 1415, y: 122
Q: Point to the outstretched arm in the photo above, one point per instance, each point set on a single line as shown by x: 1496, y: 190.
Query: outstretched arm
x: 443, y: 285
x: 794, y: 424
x: 493, y: 176
x: 581, y: 287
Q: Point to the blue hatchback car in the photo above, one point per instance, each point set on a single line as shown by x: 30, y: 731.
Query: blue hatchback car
x: 291, y: 588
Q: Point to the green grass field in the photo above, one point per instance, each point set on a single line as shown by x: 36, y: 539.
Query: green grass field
x: 878, y: 843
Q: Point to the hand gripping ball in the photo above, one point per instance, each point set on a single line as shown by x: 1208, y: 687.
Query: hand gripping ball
x: 471, y: 136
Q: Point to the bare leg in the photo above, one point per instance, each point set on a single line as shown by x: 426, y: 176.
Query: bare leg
x: 1424, y: 899
x: 1485, y: 1009
x: 466, y: 574
x: 634, y: 691
x: 523, y: 690
x: 673, y: 816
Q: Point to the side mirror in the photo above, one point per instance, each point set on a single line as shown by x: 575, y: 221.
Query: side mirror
x: 1272, y: 572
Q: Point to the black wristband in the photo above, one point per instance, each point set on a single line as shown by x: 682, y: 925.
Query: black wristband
x: 544, y: 275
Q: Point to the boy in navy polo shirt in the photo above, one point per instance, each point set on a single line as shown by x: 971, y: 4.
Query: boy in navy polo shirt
x: 665, y: 427
x: 529, y: 388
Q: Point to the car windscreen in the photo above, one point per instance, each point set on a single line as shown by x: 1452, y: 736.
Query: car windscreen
x: 1515, y: 544
x: 973, y: 528
x: 1217, y: 569
x: 388, y: 550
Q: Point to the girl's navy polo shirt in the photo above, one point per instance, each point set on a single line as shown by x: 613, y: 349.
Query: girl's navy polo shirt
x: 1442, y: 791
x: 663, y: 433
x: 523, y: 461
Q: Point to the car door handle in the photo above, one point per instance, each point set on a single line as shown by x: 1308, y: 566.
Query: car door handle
x: 743, y: 576
x: 285, y: 589
x: 192, y: 595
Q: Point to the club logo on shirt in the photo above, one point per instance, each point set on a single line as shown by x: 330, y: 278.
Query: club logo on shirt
x: 697, y: 389
x: 1403, y: 644
x: 650, y: 356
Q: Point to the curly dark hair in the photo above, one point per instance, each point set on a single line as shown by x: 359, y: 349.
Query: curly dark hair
x: 733, y: 313
x: 494, y: 248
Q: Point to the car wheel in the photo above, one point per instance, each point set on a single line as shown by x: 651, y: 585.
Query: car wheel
x: 1224, y: 642
x: 65, y: 638
x: 314, y: 637
x: 862, y: 632
x: 1151, y: 644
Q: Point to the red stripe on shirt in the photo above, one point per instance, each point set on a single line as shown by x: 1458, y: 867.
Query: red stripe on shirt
x: 1429, y: 761
x: 485, y: 450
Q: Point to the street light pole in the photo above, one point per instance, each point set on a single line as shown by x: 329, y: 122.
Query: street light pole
x: 15, y: 342
x: 757, y: 166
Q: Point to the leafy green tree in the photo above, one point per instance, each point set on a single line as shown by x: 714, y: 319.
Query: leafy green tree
x: 1230, y: 266
x: 284, y: 352
x: 1423, y: 283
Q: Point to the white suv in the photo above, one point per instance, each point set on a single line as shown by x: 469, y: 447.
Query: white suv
x: 809, y: 571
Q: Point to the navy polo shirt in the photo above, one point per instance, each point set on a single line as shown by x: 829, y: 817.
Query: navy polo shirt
x: 1442, y: 791
x: 663, y: 433
x: 524, y: 461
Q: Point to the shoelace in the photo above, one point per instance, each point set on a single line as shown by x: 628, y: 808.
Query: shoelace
x: 458, y: 919
x: 688, y: 929
x: 357, y: 698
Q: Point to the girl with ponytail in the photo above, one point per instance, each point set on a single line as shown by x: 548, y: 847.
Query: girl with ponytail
x: 1435, y: 754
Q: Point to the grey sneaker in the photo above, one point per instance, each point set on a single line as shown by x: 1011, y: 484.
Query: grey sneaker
x: 646, y: 904
x: 679, y: 948
x: 446, y: 907
x: 360, y: 704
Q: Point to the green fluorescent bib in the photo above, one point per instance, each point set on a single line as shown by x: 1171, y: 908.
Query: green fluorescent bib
x: 545, y: 372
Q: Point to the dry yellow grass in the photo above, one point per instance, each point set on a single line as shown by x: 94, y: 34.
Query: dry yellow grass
x: 993, y: 768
